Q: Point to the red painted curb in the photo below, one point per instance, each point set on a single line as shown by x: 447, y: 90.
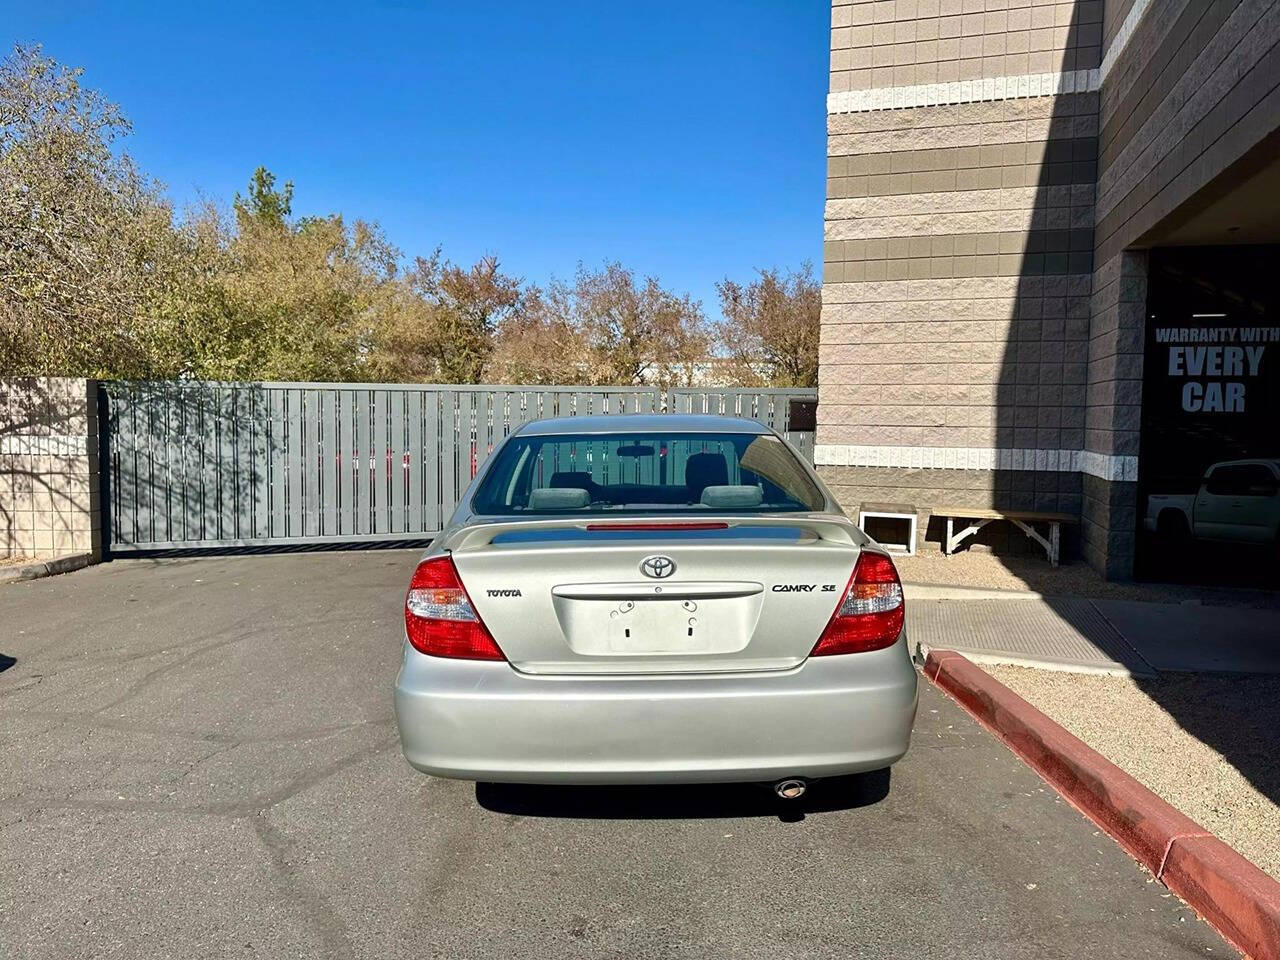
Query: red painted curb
x: 1241, y: 901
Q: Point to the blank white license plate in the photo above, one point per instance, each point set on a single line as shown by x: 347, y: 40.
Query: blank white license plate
x: 657, y: 626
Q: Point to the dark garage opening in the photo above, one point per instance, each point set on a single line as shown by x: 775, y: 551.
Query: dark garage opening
x: 1211, y: 403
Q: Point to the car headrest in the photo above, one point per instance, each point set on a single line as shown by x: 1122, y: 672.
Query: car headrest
x: 704, y: 470
x: 732, y: 496
x: 571, y: 478
x: 559, y: 498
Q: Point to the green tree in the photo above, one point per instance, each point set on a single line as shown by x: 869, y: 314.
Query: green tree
x: 284, y: 300
x: 98, y: 279
x: 265, y: 204
x: 86, y: 242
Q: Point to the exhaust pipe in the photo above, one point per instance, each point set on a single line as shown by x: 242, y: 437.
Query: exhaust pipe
x: 791, y: 789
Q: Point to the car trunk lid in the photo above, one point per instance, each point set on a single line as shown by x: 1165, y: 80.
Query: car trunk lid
x: 574, y: 597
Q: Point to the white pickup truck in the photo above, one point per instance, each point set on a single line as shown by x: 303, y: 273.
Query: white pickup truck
x: 1238, y: 501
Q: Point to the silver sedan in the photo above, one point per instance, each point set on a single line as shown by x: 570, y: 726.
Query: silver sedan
x: 641, y: 599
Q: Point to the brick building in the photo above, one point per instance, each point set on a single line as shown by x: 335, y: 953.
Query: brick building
x: 1012, y: 185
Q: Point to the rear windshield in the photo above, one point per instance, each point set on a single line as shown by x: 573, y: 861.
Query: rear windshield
x: 569, y: 474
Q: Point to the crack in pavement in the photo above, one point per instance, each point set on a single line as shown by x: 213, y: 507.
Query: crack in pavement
x: 314, y: 904
x: 149, y: 678
x: 250, y: 806
x: 276, y: 843
x: 252, y: 624
x: 146, y: 679
x: 91, y: 719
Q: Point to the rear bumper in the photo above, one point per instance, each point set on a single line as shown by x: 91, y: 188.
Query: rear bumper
x: 486, y: 721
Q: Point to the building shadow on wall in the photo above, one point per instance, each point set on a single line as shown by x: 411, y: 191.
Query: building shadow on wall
x: 40, y: 496
x: 1038, y: 271
x: 1042, y: 390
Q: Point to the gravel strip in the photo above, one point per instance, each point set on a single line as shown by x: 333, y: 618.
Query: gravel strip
x: 988, y: 571
x: 19, y: 561
x: 1206, y: 744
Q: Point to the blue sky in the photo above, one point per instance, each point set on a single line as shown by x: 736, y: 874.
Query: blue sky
x: 685, y: 139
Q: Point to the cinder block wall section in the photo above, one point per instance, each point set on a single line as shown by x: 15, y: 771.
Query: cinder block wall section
x: 995, y: 179
x: 962, y: 148
x: 1190, y: 92
x: 49, y: 468
x: 892, y: 44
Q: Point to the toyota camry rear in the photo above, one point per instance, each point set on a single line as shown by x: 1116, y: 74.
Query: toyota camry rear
x: 652, y: 599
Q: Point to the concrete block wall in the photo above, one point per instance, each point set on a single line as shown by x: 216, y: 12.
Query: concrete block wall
x: 896, y: 43
x: 931, y: 487
x: 996, y: 171
x: 1196, y: 87
x: 49, y: 492
x: 1114, y: 15
x: 959, y: 258
x: 1113, y: 414
x: 1193, y: 92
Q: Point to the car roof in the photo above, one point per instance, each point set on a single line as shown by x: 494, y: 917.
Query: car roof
x: 643, y: 423
x: 1258, y: 461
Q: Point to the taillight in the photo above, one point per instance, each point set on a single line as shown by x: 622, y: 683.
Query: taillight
x: 871, y: 612
x: 438, y: 616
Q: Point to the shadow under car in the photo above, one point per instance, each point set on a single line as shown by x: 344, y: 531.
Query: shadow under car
x: 682, y: 801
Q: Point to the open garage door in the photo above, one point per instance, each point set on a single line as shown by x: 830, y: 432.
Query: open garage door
x: 1209, y: 462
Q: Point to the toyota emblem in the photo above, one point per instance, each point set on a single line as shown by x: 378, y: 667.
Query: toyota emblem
x: 658, y: 567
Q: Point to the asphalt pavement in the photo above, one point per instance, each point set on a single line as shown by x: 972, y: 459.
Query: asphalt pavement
x: 198, y: 759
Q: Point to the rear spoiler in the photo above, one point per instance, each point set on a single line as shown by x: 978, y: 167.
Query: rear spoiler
x: 825, y: 526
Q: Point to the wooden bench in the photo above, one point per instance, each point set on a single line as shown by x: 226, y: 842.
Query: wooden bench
x: 1022, y: 519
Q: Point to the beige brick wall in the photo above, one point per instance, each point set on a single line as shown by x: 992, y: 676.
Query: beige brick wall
x: 1195, y: 89
x: 1014, y: 489
x: 1114, y: 394
x: 959, y: 252
x: 893, y: 43
x: 1114, y: 13
x: 49, y: 468
x: 943, y: 295
x: 1113, y: 415
x: 982, y: 283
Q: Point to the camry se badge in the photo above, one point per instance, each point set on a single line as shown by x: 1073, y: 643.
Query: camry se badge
x: 658, y: 567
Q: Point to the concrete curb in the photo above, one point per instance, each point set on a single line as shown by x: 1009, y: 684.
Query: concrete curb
x: 942, y: 591
x: 1240, y: 900
x: 48, y: 568
x: 1035, y: 663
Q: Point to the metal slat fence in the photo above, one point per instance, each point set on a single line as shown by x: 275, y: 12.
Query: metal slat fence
x: 196, y: 464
